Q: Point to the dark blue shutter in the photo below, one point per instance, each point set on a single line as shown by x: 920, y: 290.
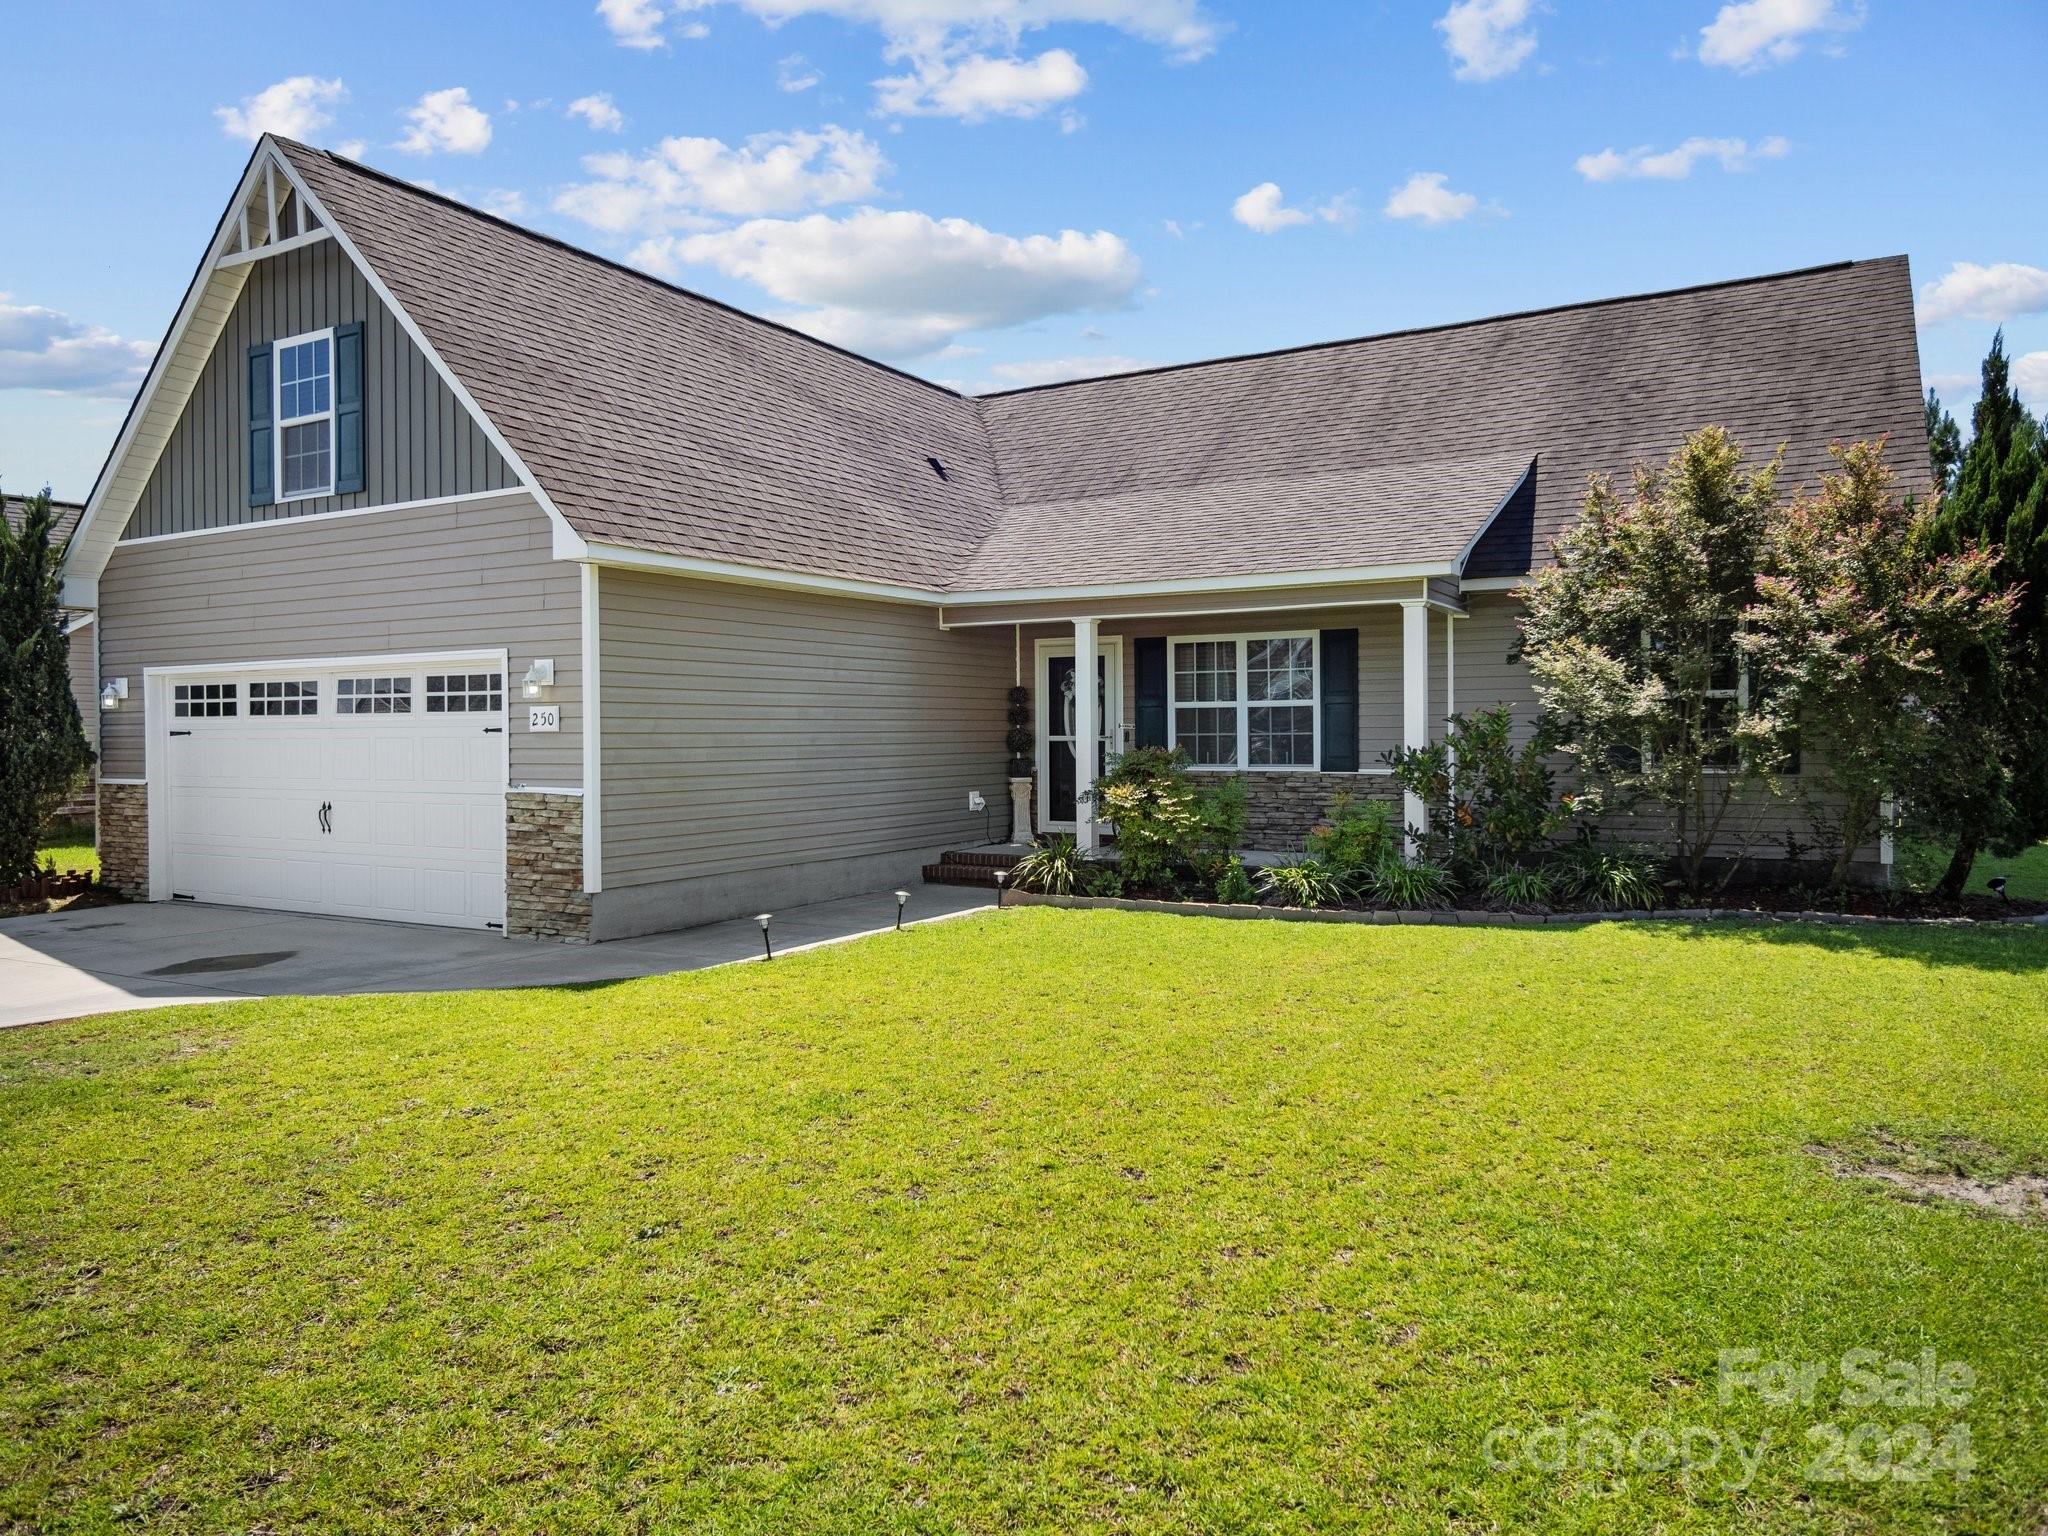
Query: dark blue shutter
x: 262, y: 492
x: 348, y: 408
x: 1340, y: 700
x: 1149, y: 658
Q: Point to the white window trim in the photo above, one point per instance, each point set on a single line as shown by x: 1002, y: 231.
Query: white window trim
x: 280, y: 422
x: 1244, y: 703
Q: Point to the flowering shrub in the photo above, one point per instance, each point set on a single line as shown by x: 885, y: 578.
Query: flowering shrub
x: 1169, y: 829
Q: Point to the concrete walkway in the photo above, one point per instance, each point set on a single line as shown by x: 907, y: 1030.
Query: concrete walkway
x: 63, y: 965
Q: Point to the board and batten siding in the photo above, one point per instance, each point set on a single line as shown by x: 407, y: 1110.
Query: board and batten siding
x: 478, y: 575
x: 747, y: 731
x: 419, y: 441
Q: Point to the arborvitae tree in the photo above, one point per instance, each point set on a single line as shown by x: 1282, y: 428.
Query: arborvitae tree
x: 2000, y: 501
x: 43, y: 750
x: 1944, y: 444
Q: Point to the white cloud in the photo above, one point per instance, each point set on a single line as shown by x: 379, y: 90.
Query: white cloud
x: 446, y: 121
x: 1057, y: 370
x: 1646, y: 164
x: 1995, y: 293
x: 904, y: 284
x: 1182, y: 27
x: 1426, y: 196
x: 505, y: 202
x: 634, y: 23
x: 2030, y: 379
x: 351, y: 149
x: 1487, y: 39
x: 681, y: 179
x: 46, y: 350
x: 796, y: 73
x: 1755, y: 34
x: 1263, y: 209
x: 598, y: 110
x: 295, y: 108
x: 974, y: 86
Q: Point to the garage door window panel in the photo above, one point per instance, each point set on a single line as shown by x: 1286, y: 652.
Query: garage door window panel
x: 373, y: 696
x: 459, y: 693
x: 284, y: 698
x: 205, y: 701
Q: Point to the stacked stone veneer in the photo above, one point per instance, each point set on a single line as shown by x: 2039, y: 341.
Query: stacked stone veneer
x: 123, y: 820
x: 1282, y: 808
x: 544, y: 895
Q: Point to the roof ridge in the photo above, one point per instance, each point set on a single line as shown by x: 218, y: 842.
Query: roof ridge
x: 1447, y: 325
x: 432, y: 194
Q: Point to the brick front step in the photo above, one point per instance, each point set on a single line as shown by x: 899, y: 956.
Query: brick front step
x: 969, y: 867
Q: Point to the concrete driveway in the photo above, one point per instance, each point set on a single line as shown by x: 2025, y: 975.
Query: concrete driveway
x: 103, y: 959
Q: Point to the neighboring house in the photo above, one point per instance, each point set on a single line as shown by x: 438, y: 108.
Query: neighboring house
x: 80, y: 639
x: 462, y: 576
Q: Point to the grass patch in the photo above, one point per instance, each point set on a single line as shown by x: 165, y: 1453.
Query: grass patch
x: 1046, y: 1221
x: 69, y: 845
x: 1922, y: 864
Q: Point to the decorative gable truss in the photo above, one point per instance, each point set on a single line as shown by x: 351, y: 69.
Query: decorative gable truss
x: 271, y: 212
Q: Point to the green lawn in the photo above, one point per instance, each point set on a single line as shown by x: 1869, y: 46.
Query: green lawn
x: 1044, y: 1221
x: 1921, y: 864
x: 69, y: 845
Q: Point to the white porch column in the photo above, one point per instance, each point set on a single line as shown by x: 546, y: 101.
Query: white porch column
x: 1087, y: 711
x: 1414, y: 704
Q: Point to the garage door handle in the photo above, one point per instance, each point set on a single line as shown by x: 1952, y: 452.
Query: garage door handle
x: 325, y: 808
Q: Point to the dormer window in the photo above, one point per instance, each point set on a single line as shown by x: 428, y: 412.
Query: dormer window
x: 305, y: 415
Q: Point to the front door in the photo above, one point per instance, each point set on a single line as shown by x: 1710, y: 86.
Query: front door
x: 1059, y: 725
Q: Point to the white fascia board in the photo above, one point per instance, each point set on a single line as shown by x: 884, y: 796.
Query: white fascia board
x: 1275, y: 581
x: 625, y: 558
x: 93, y: 540
x: 1493, y: 583
x: 568, y: 543
x: 263, y: 252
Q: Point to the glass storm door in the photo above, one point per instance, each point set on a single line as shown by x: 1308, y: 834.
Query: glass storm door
x: 1058, y: 727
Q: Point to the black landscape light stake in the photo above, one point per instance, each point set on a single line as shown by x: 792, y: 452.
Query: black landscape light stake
x: 1002, y: 875
x: 901, y: 898
x: 767, y: 948
x: 1997, y: 884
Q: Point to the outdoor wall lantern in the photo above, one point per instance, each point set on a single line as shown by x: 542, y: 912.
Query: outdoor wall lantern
x: 538, y: 676
x: 115, y: 691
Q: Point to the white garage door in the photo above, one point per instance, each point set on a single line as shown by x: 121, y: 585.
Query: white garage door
x: 363, y: 791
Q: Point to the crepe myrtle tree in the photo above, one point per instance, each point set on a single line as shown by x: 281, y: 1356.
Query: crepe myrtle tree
x: 43, y: 751
x: 1866, y: 633
x: 1630, y: 637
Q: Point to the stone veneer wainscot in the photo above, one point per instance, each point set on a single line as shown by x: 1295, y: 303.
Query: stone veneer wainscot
x: 123, y: 836
x: 1281, y: 809
x: 544, y: 895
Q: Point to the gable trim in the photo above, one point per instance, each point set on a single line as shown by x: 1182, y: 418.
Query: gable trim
x: 264, y: 252
x: 93, y: 542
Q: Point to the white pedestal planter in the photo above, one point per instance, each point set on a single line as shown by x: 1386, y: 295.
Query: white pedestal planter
x: 1020, y: 810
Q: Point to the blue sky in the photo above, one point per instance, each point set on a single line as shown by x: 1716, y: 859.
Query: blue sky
x: 995, y: 192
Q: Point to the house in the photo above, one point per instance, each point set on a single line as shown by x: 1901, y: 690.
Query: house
x: 461, y: 576
x: 80, y: 638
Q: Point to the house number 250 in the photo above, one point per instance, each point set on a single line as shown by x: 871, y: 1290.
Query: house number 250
x: 544, y: 717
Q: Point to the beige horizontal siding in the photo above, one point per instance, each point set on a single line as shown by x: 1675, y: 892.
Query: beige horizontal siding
x: 418, y: 439
x: 749, y: 730
x: 479, y: 575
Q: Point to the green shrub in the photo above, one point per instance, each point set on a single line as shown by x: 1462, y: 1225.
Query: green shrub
x: 1518, y: 886
x: 1169, y: 829
x: 1101, y: 880
x: 1610, y: 877
x: 1359, y: 836
x: 1051, y: 868
x: 1489, y: 802
x: 1304, y: 883
x: 1236, y: 886
x: 1414, y: 886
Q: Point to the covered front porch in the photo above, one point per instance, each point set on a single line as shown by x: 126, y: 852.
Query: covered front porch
x: 1301, y: 688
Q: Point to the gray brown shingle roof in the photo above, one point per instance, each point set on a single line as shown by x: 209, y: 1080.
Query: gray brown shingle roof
x: 666, y: 421
x: 61, y: 527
